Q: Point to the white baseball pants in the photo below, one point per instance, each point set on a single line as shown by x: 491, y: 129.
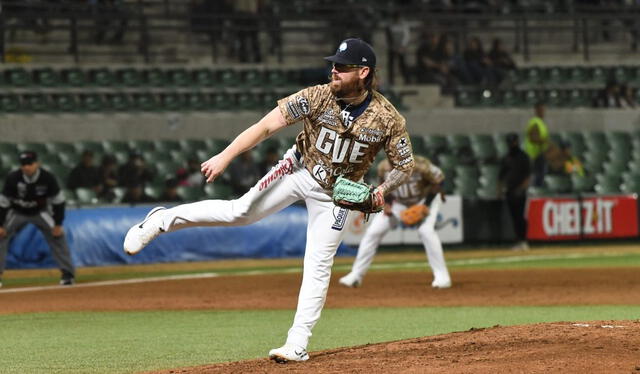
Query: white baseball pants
x: 286, y: 183
x: 380, y: 226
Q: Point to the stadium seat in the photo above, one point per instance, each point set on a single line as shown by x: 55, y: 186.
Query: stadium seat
x: 229, y: 78
x: 188, y: 193
x: 141, y: 145
x: 247, y: 101
x: 488, y: 174
x: 447, y: 161
x: 607, y: 187
x: 86, y: 196
x: 179, y: 78
x: 467, y: 173
x: 91, y: 102
x: 599, y: 75
x: 94, y: 146
x: 630, y: 186
x: 40, y: 148
x: 46, y: 77
x: 146, y: 101
x: 73, y: 77
x: 155, y: 77
x: 191, y: 145
x: 10, y: 103
x: 276, y: 78
x: 418, y: 145
x: 556, y: 75
x: 172, y: 101
x: 69, y: 197
x: 466, y: 188
x: 119, y: 102
x: 111, y: 146
x: 536, y: 191
x: 252, y: 78
x: 555, y: 98
x: 531, y: 76
x: 435, y: 144
x: 577, y: 98
x: 511, y: 98
x: 56, y: 147
x: 218, y: 191
x: 118, y: 193
x: 483, y: 148
x: 464, y: 98
x: 129, y: 77
x: 583, y: 184
x: 577, y: 74
x: 36, y: 102
x: 155, y: 191
x: 531, y: 97
x: 102, y: 77
x: 269, y: 100
x: 557, y: 183
x: 203, y: 78
x: 488, y: 98
x: 197, y: 101
x: 166, y: 145
x: 18, y: 77
x: 166, y: 168
x: 223, y: 101
x: 64, y: 102
x: 8, y: 148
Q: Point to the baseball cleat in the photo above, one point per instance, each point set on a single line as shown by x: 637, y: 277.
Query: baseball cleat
x: 142, y: 233
x: 350, y: 280
x: 441, y: 284
x: 288, y: 353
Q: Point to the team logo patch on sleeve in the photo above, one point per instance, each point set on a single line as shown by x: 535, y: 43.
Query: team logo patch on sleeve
x: 341, y: 218
x: 303, y: 103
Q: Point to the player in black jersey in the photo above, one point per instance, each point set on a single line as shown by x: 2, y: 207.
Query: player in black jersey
x: 33, y: 195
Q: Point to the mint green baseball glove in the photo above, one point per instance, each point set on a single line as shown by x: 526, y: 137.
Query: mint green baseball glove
x: 355, y: 196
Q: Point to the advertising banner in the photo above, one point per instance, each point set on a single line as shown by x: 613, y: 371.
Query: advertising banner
x: 609, y: 216
x: 449, y: 226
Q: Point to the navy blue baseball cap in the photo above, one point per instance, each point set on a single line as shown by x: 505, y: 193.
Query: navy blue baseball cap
x: 28, y: 157
x: 354, y: 51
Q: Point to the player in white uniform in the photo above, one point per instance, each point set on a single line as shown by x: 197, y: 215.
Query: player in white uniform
x: 422, y: 188
x: 345, y: 124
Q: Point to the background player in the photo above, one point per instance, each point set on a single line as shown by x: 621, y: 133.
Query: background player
x: 33, y: 195
x: 345, y: 124
x: 422, y: 188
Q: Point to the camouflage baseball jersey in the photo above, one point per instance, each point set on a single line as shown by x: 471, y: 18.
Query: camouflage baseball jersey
x: 425, y: 176
x: 330, y: 148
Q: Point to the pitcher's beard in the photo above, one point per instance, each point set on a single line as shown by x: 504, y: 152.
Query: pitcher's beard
x: 348, y: 90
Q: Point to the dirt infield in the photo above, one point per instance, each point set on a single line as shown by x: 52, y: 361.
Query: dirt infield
x: 555, y: 347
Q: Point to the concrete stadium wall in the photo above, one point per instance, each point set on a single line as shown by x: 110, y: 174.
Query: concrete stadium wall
x: 125, y: 126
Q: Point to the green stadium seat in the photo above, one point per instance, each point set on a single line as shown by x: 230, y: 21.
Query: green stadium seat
x: 229, y: 78
x: 119, y: 102
x: 141, y: 145
x: 18, y: 77
x: 218, y: 191
x: 418, y: 145
x: 155, y: 191
x: 173, y: 101
x: 86, y: 196
x: 489, y: 175
x: 91, y: 102
x: 203, y: 78
x: 631, y: 186
x: 223, y: 101
x: 458, y: 143
x: 583, y: 184
x: 94, y: 146
x: 556, y: 75
x: 166, y: 145
x: 276, y: 78
x: 532, y: 76
x: 197, y: 101
x: 487, y: 192
x: 558, y: 183
x: 599, y: 75
x: 36, y: 102
x: 466, y: 188
x: 191, y: 145
x: 71, y: 158
x: 607, y: 187
x: 10, y: 103
x: 179, y: 78
x: 129, y: 77
x: 247, y: 101
x: 64, y: 102
x: 40, y: 148
x: 8, y: 148
x: 118, y: 193
x: 155, y: 77
x: 252, y: 78
x: 511, y: 98
x: 145, y: 101
x: 435, y: 143
x: 46, y: 77
x: 577, y: 98
x: 56, y: 147
x: 535, y: 191
x: 531, y: 97
x: 447, y: 161
x: 269, y: 100
x: 190, y: 193
x: 620, y: 74
x: 60, y: 171
x: 112, y: 146
x: 488, y: 98
x: 596, y: 141
x: 102, y: 77
x: 74, y: 77
x: 215, y: 146
x: 466, y: 98
x: 555, y: 98
x: 577, y: 74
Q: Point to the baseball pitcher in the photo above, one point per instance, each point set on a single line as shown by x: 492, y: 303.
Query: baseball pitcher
x: 415, y: 203
x: 345, y: 123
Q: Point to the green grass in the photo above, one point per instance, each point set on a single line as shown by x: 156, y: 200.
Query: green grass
x: 125, y: 342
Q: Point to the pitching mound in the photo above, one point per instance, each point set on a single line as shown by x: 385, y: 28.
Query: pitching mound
x: 562, y: 347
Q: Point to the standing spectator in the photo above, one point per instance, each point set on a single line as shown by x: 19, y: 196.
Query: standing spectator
x: 478, y: 64
x: 243, y: 173
x: 513, y: 181
x: 536, y: 143
x: 33, y: 195
x: 108, y: 173
x: 135, y: 172
x: 398, y: 38
x: 85, y: 174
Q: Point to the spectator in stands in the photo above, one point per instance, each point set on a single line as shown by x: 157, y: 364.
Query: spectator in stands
x: 135, y: 195
x: 427, y: 68
x: 628, y: 97
x: 108, y: 173
x: 270, y: 159
x: 609, y: 97
x: 562, y: 160
x: 449, y: 65
x: 500, y: 59
x: 478, y: 67
x: 398, y: 37
x: 513, y: 181
x: 170, y: 192
x: 85, y: 174
x: 243, y: 173
x: 135, y: 172
x: 33, y: 195
x: 536, y: 143
x: 190, y: 175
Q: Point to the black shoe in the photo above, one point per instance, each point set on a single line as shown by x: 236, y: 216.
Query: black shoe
x: 67, y: 281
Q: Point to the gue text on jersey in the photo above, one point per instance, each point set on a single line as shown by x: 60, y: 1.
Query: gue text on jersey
x: 329, y: 142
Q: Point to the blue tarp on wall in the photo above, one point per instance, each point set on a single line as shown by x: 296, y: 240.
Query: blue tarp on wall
x: 95, y: 236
